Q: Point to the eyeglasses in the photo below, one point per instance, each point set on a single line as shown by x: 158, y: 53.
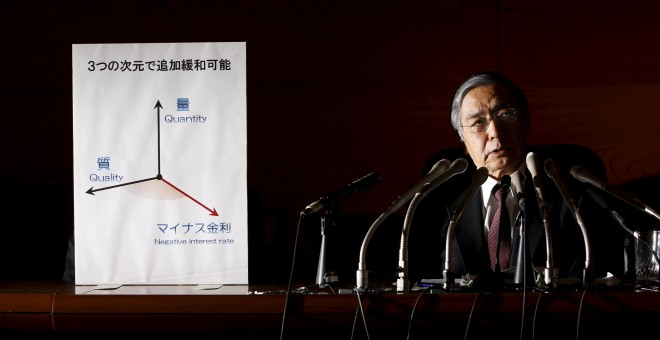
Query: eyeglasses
x: 480, y: 123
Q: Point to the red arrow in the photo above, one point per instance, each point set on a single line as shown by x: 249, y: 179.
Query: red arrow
x: 213, y: 212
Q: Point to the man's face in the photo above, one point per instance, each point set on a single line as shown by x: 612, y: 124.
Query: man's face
x: 497, y: 145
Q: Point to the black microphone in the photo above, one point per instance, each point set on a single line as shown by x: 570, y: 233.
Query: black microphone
x: 353, y: 187
x: 533, y: 167
x: 524, y: 273
x: 518, y: 182
x: 585, y: 176
x: 505, y: 182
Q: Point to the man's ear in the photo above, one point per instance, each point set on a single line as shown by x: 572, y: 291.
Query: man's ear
x: 458, y: 136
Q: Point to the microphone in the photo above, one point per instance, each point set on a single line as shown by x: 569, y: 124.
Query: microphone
x: 585, y: 176
x: 518, y: 186
x: 600, y: 201
x: 478, y: 179
x: 553, y: 171
x: 505, y: 182
x: 533, y: 167
x: 524, y: 273
x: 353, y: 187
x: 438, y: 169
x: 458, y: 166
x: 517, y: 181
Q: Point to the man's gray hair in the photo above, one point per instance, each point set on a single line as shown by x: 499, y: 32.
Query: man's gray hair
x: 488, y: 78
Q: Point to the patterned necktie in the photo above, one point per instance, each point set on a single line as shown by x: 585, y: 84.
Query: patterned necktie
x: 500, y: 222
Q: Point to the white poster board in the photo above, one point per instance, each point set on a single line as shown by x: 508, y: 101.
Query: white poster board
x: 160, y: 163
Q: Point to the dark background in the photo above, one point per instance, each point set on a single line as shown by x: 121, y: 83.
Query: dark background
x: 335, y: 90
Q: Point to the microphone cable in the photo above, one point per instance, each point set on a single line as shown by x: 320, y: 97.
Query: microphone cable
x: 474, y: 306
x: 536, y: 312
x: 360, y: 311
x: 579, y: 316
x: 412, y: 313
x: 360, y: 308
x: 536, y: 308
x: 288, y: 289
x: 522, y: 255
x: 522, y: 318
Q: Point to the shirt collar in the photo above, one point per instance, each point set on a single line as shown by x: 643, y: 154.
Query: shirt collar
x: 487, y: 187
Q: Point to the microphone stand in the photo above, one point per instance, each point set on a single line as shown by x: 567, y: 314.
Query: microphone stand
x: 322, y: 279
x: 403, y: 282
x: 587, y: 273
x: 478, y: 178
x: 524, y: 276
x: 441, y: 167
x: 553, y: 171
x: 362, y: 274
x: 549, y: 271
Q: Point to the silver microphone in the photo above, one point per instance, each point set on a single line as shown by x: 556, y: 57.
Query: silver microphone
x: 458, y: 166
x: 533, y: 167
x: 438, y: 169
x: 478, y: 179
x: 553, y: 171
x: 532, y: 162
x: 517, y: 181
x: 600, y: 201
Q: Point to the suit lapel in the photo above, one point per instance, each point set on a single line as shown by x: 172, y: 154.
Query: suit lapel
x: 470, y: 240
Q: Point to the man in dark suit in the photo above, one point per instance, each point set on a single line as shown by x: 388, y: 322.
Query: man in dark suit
x: 492, y: 118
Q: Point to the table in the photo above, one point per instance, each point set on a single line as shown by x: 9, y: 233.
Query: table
x: 59, y: 308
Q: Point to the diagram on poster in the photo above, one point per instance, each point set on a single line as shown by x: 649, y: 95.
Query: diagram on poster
x: 104, y: 163
x: 160, y: 163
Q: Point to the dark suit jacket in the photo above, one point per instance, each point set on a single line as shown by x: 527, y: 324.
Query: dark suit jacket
x: 469, y: 251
